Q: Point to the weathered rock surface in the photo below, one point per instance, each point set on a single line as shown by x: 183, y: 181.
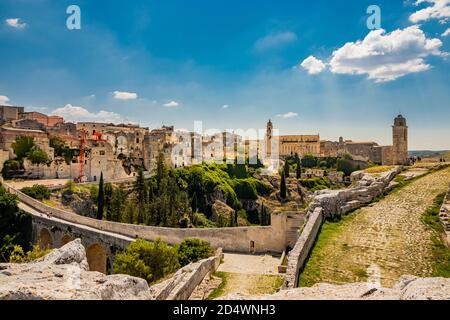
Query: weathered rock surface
x: 408, y: 288
x: 366, y: 188
x: 63, y: 274
x: 221, y: 209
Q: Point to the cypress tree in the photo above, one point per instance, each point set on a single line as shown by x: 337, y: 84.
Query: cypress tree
x: 195, y: 202
x: 299, y: 169
x: 286, y: 169
x: 283, y: 186
x: 108, y: 198
x: 141, y: 192
x: 101, y: 198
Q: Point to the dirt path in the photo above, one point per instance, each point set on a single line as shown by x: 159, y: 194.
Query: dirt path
x: 249, y: 274
x: 389, y: 237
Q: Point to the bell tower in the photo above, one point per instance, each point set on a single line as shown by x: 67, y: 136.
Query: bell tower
x: 269, y: 134
x: 400, y: 141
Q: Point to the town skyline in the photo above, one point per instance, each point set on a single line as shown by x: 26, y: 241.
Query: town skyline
x: 277, y: 63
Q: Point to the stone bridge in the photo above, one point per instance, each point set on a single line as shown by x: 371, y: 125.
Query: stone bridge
x: 52, y: 227
x: 101, y: 246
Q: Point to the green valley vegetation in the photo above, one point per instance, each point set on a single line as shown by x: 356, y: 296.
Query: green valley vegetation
x: 184, y: 197
x: 38, y: 192
x: 15, y: 226
x: 156, y: 260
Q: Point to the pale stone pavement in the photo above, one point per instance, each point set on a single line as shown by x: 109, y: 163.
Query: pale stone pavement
x: 389, y: 236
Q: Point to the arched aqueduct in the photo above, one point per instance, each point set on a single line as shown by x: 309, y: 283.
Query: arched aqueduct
x: 100, y: 248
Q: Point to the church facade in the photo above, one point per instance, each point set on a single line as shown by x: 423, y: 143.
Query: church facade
x: 397, y: 154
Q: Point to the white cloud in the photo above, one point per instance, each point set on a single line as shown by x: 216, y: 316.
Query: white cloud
x: 171, y: 104
x: 275, y: 40
x: 446, y: 32
x: 4, y: 100
x: 15, y: 23
x: 225, y: 106
x: 123, y: 95
x: 288, y: 115
x: 77, y: 114
x: 438, y: 9
x: 313, y: 65
x: 386, y: 56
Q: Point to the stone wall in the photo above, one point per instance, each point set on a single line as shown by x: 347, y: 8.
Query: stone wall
x: 444, y: 216
x: 334, y: 203
x: 305, y: 242
x: 271, y: 239
x: 185, y: 280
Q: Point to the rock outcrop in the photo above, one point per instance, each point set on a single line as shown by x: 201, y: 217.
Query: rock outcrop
x: 408, y: 288
x: 63, y: 275
x: 220, y: 210
x: 366, y: 188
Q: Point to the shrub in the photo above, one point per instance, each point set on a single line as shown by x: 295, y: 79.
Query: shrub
x: 193, y: 250
x: 315, y: 184
x: 18, y: 256
x: 37, y: 156
x: 15, y: 225
x: 22, y: 146
x: 201, y: 221
x: 148, y: 260
x: 245, y: 189
x: 38, y: 192
x: 11, y: 168
x: 346, y: 166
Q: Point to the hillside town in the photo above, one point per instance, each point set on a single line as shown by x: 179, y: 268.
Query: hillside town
x: 84, y: 150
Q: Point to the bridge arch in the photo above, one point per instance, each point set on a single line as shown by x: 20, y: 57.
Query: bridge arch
x: 65, y: 240
x: 45, y: 239
x: 97, y: 258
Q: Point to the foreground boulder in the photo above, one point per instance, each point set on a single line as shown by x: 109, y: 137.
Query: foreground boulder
x: 63, y: 274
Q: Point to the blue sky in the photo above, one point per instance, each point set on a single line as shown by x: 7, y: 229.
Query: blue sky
x: 235, y: 64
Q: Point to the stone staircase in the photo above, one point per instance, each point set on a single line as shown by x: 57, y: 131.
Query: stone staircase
x: 295, y: 221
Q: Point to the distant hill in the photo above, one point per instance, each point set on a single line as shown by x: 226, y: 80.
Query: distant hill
x: 428, y: 153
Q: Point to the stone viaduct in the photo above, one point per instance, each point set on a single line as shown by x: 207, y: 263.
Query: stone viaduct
x: 53, y: 227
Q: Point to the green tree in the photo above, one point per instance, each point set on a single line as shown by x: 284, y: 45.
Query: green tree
x: 101, y: 198
x: 298, y: 172
x: 309, y: 161
x: 15, y: 225
x: 118, y: 202
x: 346, y: 166
x: 161, y: 170
x: 22, y: 146
x: 38, y: 192
x: 193, y: 250
x: 37, y: 156
x: 108, y: 200
x: 140, y: 189
x: 148, y: 260
x: 283, y: 194
x: 286, y: 169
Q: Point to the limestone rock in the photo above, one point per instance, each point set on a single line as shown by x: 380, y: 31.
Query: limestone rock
x: 408, y: 288
x: 221, y: 209
x: 63, y: 274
